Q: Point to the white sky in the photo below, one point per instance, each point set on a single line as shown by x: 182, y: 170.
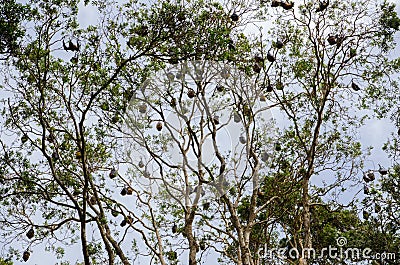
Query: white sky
x: 374, y: 133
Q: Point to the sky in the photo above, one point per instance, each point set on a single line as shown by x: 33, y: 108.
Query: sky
x: 374, y: 134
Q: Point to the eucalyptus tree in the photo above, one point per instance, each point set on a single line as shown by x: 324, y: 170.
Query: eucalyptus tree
x: 325, y: 58
x: 50, y: 159
x: 67, y: 90
x: 317, y: 70
x: 149, y: 135
x: 177, y: 132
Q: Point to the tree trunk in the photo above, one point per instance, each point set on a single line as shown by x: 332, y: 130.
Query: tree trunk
x: 192, y: 243
x: 306, y: 222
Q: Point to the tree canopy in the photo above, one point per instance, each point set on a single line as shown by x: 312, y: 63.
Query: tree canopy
x: 12, y: 14
x: 194, y: 131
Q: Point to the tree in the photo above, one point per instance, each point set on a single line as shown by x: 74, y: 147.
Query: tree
x: 11, y: 16
x: 64, y: 113
x: 110, y: 131
x: 320, y: 70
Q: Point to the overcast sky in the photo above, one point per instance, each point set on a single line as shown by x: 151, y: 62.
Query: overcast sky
x: 374, y: 133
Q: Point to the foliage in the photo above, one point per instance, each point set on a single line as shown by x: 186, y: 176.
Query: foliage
x: 5, y: 262
x: 114, y: 136
x: 12, y: 14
